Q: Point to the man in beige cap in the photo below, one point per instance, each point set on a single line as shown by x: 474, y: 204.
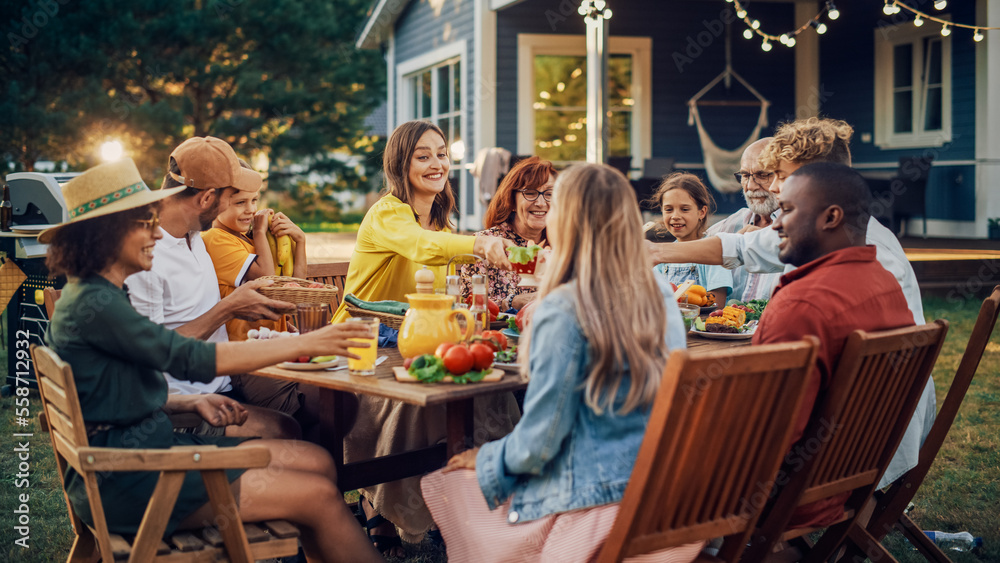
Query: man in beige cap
x: 181, y: 291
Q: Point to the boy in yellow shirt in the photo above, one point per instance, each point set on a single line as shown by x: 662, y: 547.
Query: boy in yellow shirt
x: 237, y: 243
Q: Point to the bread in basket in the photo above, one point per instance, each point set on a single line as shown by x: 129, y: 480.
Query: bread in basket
x: 298, y: 290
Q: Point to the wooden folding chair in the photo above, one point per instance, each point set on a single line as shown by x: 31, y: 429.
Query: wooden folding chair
x: 857, y: 425
x: 890, y: 506
x: 716, y: 436
x: 63, y: 418
x: 50, y: 295
x: 332, y: 273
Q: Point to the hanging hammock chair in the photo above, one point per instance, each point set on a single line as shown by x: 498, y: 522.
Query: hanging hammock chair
x: 720, y: 163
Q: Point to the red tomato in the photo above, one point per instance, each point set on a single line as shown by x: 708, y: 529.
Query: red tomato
x: 407, y: 362
x: 716, y: 313
x: 302, y: 359
x: 482, y: 356
x: 443, y: 348
x: 519, y: 319
x: 495, y: 338
x: 458, y: 360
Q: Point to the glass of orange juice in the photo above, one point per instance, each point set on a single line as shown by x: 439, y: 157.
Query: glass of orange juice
x: 365, y: 364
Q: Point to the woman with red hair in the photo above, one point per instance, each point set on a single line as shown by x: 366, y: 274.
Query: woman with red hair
x: 517, y: 212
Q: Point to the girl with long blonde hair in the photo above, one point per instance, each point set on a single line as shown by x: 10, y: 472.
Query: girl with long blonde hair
x: 594, y: 352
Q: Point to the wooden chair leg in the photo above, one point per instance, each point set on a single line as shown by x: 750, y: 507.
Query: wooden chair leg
x: 227, y: 518
x: 919, y: 539
x: 154, y: 521
x: 84, y: 548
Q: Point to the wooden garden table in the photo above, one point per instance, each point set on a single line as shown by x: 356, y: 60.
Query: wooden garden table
x: 336, y: 388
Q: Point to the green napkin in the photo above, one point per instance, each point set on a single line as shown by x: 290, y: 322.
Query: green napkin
x: 390, y: 307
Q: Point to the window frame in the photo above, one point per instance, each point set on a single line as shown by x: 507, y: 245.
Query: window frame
x: 887, y: 38
x: 432, y: 61
x: 639, y: 48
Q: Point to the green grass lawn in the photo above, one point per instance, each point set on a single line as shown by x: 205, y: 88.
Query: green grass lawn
x: 962, y: 492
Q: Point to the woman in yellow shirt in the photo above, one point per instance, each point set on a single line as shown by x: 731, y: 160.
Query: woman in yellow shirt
x: 408, y: 228
x: 405, y: 230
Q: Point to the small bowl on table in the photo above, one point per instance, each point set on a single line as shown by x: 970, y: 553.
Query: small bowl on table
x: 690, y: 313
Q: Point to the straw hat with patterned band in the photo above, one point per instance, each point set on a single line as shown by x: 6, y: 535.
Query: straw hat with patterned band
x: 105, y: 189
x: 209, y: 162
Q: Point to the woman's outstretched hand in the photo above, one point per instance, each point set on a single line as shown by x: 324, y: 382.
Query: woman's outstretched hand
x: 463, y: 460
x: 494, y: 249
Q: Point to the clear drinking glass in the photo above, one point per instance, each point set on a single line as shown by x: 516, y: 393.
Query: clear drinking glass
x: 312, y: 316
x: 365, y: 364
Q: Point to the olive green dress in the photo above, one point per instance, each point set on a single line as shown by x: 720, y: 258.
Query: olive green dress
x: 117, y: 356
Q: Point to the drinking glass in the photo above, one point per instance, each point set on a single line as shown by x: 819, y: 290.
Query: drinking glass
x: 312, y: 316
x: 690, y: 313
x: 365, y: 364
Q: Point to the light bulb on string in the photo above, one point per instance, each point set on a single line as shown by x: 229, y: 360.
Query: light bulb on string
x: 918, y: 21
x: 940, y: 4
x: 741, y: 13
x: 945, y: 30
x: 766, y: 45
x: 820, y: 26
x: 977, y: 36
x: 748, y: 33
x: 755, y: 24
x: 790, y: 42
x: 831, y: 11
x: 783, y: 39
x: 888, y: 8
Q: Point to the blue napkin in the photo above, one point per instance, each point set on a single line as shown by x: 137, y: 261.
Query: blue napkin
x: 387, y: 336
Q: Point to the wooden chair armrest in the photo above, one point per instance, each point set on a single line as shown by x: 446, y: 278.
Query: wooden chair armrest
x: 177, y: 458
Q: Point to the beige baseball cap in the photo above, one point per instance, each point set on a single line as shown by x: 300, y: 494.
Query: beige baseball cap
x: 209, y: 162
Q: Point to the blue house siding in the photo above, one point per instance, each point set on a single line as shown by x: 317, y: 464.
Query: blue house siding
x: 419, y: 30
x: 847, y: 72
x: 680, y: 67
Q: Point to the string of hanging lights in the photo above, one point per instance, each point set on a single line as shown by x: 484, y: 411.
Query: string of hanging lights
x: 788, y: 38
x: 893, y: 7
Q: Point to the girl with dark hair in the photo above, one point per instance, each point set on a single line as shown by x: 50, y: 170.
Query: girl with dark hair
x: 685, y: 203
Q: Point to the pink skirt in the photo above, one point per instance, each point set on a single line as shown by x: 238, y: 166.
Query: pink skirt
x: 473, y: 532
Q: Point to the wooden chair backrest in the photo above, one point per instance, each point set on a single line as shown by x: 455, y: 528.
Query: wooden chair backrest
x: 873, y: 393
x: 68, y: 433
x: 51, y: 295
x: 333, y: 273
x: 709, y: 450
x: 854, y: 429
x: 892, y: 505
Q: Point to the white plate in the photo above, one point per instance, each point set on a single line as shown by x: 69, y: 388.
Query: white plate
x: 309, y: 366
x: 724, y: 335
x: 507, y: 366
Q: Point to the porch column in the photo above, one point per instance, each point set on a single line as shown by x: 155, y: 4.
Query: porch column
x: 807, y: 88
x: 596, y: 16
x: 987, y: 116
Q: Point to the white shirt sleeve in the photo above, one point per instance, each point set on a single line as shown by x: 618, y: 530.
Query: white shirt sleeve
x: 756, y: 251
x: 145, y: 291
x: 890, y: 254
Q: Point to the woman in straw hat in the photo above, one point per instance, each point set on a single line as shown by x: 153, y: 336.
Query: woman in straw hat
x: 117, y: 356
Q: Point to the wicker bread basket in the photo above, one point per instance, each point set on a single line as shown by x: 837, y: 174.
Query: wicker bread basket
x: 324, y: 295
x: 388, y: 319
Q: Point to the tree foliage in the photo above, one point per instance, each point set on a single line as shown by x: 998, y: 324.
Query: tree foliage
x: 274, y: 77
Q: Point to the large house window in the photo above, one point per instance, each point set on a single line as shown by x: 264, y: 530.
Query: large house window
x: 552, y: 98
x: 436, y: 96
x: 912, y: 87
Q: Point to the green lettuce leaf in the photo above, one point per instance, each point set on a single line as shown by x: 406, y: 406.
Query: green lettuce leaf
x: 522, y: 254
x: 428, y: 368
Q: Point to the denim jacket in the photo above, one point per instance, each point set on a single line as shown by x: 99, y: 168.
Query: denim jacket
x: 562, y: 456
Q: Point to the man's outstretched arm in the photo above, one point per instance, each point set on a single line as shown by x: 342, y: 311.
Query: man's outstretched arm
x: 704, y: 251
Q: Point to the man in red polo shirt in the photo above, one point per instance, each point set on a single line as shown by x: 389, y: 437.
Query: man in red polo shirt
x: 838, y: 286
